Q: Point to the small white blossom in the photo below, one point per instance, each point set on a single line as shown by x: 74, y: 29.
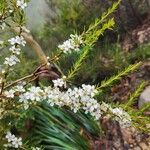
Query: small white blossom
x: 58, y: 83
x: 22, y: 4
x: 17, y: 142
x: 72, y: 44
x: 13, y: 141
x: 35, y: 93
x: 9, y: 136
x: 10, y: 93
x: 11, y: 61
x: 17, y: 40
x: 89, y: 89
x: 23, y: 99
x: 67, y: 46
x: 15, y: 50
x: 19, y: 88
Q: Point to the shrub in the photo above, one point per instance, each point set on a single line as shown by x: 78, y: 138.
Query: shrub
x: 27, y: 97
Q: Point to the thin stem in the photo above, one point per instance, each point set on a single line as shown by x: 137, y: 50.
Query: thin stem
x: 34, y: 74
x: 19, y: 80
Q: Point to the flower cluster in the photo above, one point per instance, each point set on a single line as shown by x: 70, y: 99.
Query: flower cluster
x: 17, y: 88
x: 11, y: 61
x: 22, y: 4
x: 15, y: 49
x: 72, y: 44
x: 17, y: 40
x: 122, y: 117
x: 59, y: 82
x: 10, y: 93
x: 13, y: 141
x: 76, y: 99
x: 119, y: 115
x: 33, y: 95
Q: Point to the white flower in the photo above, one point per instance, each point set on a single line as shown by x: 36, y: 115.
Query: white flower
x: 9, y: 136
x: 22, y: 4
x: 71, y: 44
x: 89, y: 89
x: 58, y: 83
x: 17, y: 142
x: 10, y: 93
x: 23, y: 99
x: 67, y: 46
x: 13, y: 141
x: 11, y: 61
x: 12, y: 41
x: 35, y: 93
x: 19, y: 88
x: 15, y: 50
x: 17, y: 40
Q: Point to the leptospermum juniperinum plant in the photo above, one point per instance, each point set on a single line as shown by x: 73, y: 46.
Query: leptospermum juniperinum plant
x: 21, y: 95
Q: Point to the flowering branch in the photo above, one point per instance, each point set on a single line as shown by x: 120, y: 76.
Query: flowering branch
x: 35, y: 46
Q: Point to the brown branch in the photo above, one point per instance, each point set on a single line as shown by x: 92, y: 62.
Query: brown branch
x: 19, y: 80
x: 34, y: 74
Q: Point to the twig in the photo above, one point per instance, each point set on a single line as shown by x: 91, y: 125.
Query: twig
x: 56, y: 57
x: 34, y: 74
x: 19, y: 80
